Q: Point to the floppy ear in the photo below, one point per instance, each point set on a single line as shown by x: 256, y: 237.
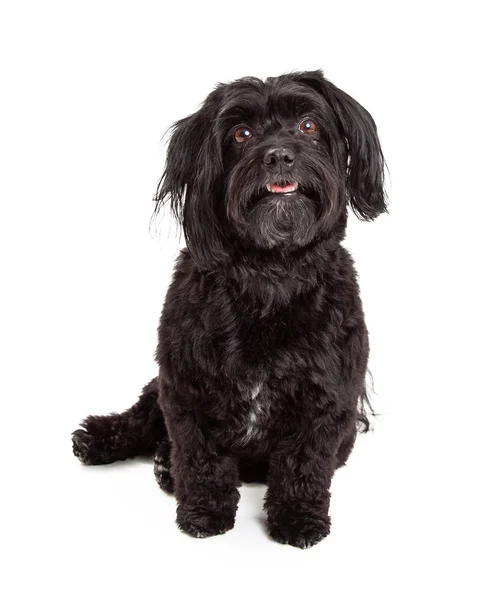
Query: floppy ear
x: 191, y: 180
x: 365, y: 169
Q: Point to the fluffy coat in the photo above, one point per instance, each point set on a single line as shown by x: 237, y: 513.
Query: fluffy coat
x: 263, y: 346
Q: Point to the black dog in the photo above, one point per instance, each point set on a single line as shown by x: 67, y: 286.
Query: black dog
x: 262, y: 347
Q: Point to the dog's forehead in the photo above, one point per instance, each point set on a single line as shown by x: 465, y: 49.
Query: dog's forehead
x: 275, y: 97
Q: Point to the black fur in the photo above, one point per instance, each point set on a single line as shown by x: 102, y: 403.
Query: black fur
x: 262, y: 347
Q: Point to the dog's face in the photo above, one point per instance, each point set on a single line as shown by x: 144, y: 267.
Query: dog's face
x: 282, y: 173
x: 272, y: 165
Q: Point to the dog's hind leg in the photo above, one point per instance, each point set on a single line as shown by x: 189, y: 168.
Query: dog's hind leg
x: 162, y: 467
x: 137, y: 431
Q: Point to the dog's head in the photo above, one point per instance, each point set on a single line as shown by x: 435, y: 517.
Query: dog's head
x: 272, y: 165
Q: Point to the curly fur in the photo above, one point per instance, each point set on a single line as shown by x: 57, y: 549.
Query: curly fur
x: 263, y: 347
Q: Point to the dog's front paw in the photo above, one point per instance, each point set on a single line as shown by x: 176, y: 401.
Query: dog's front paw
x: 297, y: 524
x: 204, y: 519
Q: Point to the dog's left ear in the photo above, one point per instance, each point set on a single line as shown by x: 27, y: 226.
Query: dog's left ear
x: 365, y: 168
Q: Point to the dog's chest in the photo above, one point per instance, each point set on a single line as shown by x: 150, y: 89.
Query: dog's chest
x: 261, y: 344
x: 266, y: 359
x: 256, y: 415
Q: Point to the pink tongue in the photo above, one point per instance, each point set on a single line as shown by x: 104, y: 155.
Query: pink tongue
x: 282, y: 188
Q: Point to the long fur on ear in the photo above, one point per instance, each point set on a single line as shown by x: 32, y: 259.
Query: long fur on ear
x: 365, y: 169
x: 191, y: 183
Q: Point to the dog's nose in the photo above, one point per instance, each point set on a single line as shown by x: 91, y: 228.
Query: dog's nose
x: 279, y: 159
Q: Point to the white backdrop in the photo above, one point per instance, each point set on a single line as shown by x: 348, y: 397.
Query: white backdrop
x: 88, y: 90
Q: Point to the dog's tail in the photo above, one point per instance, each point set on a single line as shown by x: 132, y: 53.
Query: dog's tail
x: 137, y: 431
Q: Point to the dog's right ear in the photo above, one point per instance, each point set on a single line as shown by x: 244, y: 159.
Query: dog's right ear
x: 184, y: 146
x: 190, y: 180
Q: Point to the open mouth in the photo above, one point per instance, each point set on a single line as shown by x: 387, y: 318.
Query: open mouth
x: 281, y: 189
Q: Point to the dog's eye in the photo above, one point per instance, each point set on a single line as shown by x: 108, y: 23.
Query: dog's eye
x: 308, y: 126
x: 242, y: 134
